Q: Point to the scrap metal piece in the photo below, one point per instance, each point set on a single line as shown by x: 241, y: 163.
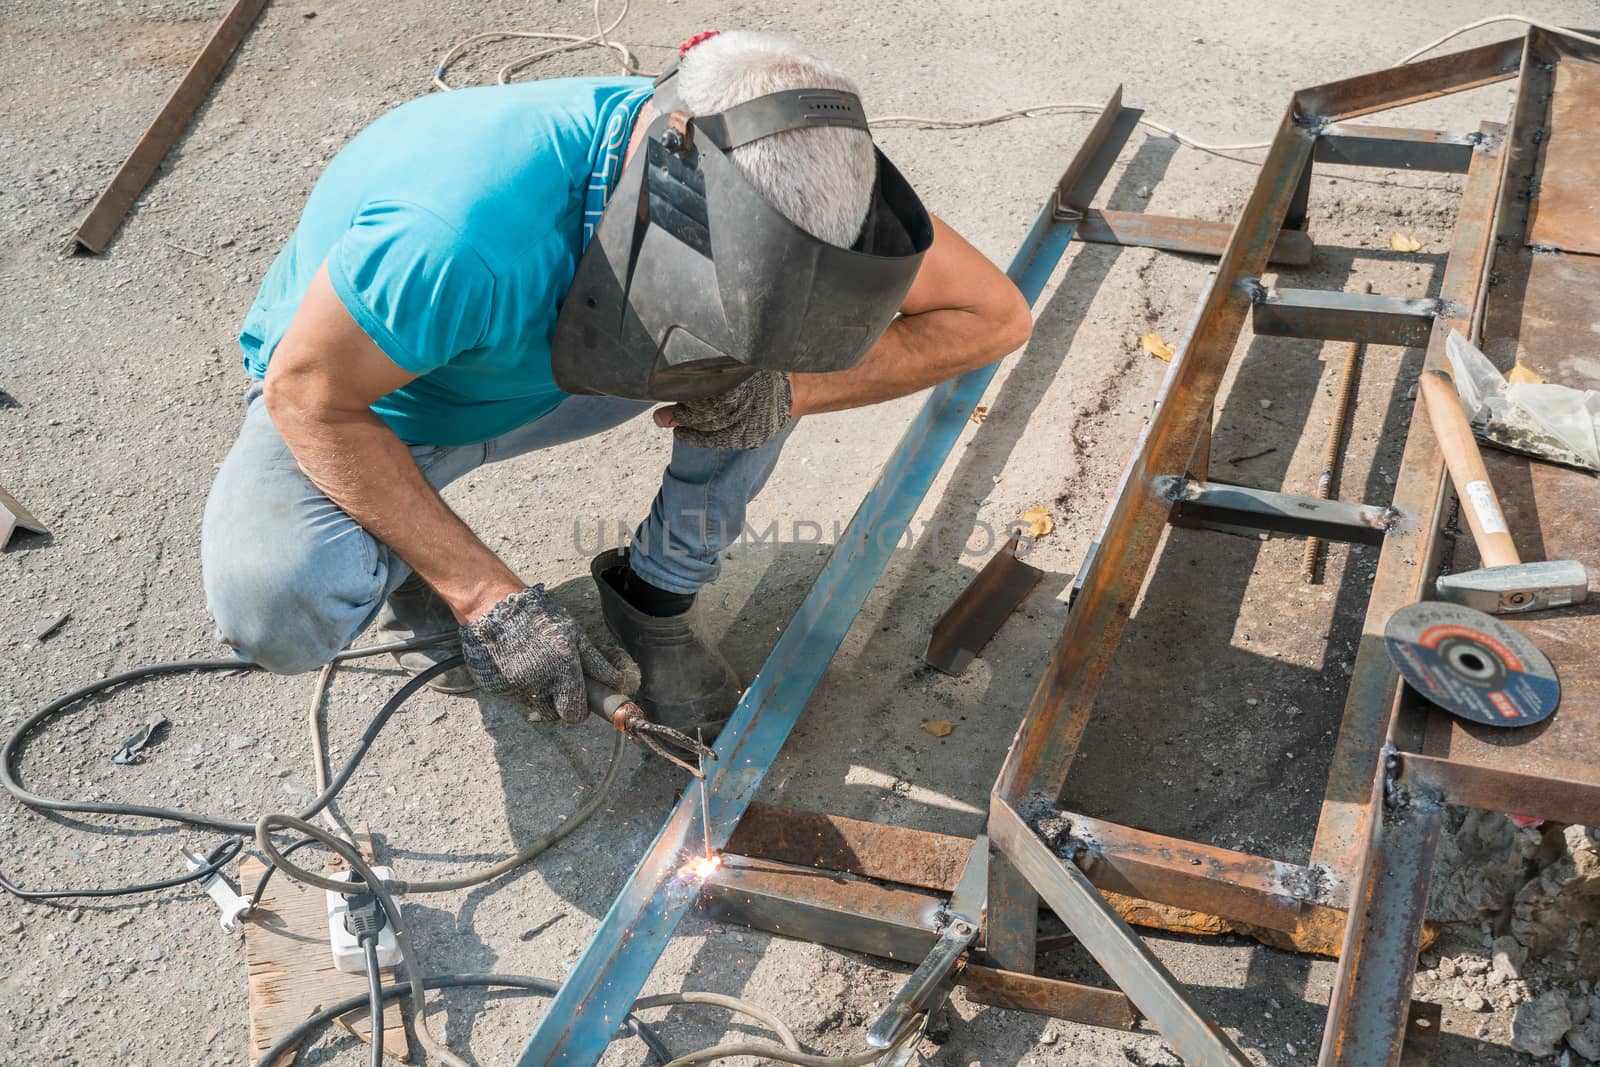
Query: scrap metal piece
x: 13, y: 517
x: 578, y: 1026
x: 1366, y: 317
x: 105, y: 215
x: 982, y: 608
x: 1195, y: 237
x: 132, y: 750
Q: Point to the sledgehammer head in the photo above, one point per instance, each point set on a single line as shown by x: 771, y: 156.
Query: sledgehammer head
x: 1518, y: 587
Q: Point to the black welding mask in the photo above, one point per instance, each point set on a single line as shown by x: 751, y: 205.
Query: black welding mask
x: 693, y: 281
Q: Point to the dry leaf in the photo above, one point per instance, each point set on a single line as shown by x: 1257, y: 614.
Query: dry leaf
x: 1522, y: 374
x: 980, y: 413
x: 1400, y: 242
x: 1153, y: 344
x: 941, y: 728
x: 1036, y: 522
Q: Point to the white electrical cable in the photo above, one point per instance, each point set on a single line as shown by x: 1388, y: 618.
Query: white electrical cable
x: 601, y: 39
x: 1491, y: 20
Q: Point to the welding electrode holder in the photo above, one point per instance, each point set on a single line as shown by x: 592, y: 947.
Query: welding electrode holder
x: 628, y: 717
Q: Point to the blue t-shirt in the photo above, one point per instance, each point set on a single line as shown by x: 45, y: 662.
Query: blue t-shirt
x: 451, y: 228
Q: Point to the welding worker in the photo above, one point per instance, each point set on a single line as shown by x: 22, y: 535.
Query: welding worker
x: 499, y: 270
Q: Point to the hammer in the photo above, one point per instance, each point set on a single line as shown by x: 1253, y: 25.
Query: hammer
x: 1504, y: 584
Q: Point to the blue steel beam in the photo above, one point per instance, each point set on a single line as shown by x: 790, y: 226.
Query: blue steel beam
x: 583, y: 1018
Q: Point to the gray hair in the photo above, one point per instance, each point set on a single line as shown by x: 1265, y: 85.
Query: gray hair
x: 820, y: 178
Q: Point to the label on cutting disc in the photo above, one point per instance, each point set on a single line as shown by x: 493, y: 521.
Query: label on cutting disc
x: 1472, y: 664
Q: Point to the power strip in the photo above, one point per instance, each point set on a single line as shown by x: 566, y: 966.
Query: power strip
x: 348, y: 955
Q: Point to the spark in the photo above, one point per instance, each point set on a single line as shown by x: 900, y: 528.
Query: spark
x: 701, y: 867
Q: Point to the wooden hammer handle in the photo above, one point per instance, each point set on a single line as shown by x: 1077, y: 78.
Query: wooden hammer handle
x: 1471, y: 477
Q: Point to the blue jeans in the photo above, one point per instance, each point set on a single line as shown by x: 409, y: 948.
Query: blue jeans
x: 290, y: 579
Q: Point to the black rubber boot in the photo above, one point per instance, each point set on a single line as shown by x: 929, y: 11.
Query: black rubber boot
x: 415, y: 610
x: 684, y: 682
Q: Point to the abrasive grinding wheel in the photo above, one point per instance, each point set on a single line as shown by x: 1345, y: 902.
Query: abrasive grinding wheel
x: 1472, y: 664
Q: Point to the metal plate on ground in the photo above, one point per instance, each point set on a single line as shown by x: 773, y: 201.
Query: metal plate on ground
x: 1471, y: 664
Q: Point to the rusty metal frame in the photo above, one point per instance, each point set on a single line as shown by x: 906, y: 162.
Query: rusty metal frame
x: 1365, y: 862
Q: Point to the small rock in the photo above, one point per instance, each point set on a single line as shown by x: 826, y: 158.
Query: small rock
x: 1495, y: 979
x: 239, y: 744
x: 44, y: 629
x: 1265, y: 403
x: 1447, y: 967
x: 1509, y: 956
x: 1472, y: 1001
x: 295, y: 789
x: 435, y: 716
x: 196, y: 749
x: 1472, y: 965
x: 14, y: 928
x: 1585, y: 1041
x: 152, y: 955
x: 1251, y: 702
x: 1048, y: 1037
x: 1540, y: 1024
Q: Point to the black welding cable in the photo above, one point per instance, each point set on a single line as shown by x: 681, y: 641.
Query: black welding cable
x: 218, y: 858
x: 10, y: 758
x: 10, y: 753
x: 374, y: 1004
x: 632, y: 1025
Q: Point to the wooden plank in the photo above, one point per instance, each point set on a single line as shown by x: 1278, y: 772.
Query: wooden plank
x: 1193, y: 236
x: 291, y: 972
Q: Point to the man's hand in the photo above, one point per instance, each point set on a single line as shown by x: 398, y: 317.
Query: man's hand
x: 746, y: 416
x: 528, y: 648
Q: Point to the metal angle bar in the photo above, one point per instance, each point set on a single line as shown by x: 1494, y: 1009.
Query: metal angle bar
x: 105, y: 215
x: 1352, y: 144
x: 1059, y: 712
x: 1088, y: 169
x: 1372, y: 992
x: 1196, y: 237
x: 619, y: 958
x: 1397, y: 86
x: 983, y: 607
x: 1410, y: 553
x: 1204, y: 503
x: 1371, y: 318
x: 1112, y: 943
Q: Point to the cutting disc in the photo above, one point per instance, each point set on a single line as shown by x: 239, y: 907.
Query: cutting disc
x: 1472, y: 664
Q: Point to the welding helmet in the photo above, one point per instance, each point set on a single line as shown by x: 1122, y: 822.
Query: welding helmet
x: 693, y: 281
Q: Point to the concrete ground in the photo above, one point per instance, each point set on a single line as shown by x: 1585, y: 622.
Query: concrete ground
x: 121, y: 394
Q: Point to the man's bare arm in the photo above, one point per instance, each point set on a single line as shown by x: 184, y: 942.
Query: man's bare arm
x: 324, y: 376
x: 962, y: 312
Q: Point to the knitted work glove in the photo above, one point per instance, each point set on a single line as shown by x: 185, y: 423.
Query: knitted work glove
x: 746, y: 416
x: 529, y: 649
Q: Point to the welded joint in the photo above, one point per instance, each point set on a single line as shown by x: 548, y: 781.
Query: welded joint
x: 1055, y: 828
x: 1312, y: 884
x: 1252, y: 288
x: 1406, y: 793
